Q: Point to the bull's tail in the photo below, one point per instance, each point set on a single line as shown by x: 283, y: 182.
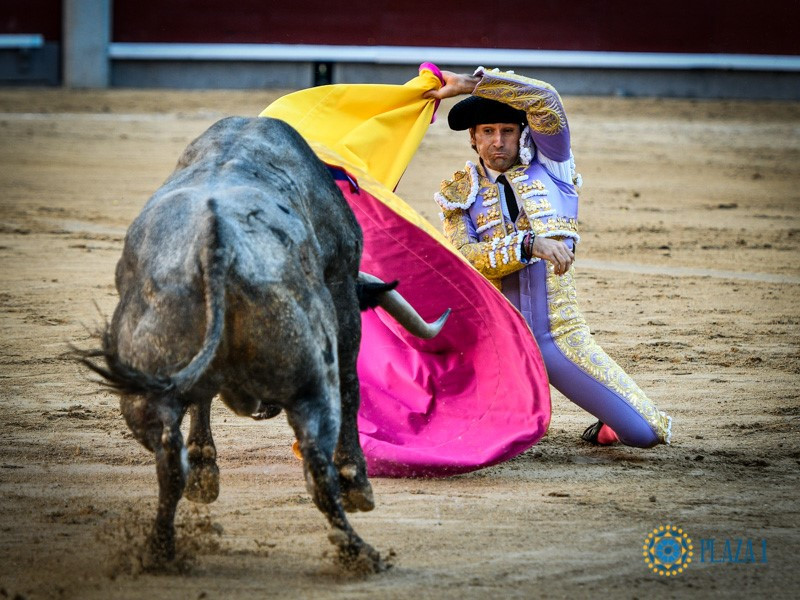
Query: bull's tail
x: 215, y: 261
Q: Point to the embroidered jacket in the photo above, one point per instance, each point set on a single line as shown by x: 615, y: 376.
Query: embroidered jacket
x: 475, y: 224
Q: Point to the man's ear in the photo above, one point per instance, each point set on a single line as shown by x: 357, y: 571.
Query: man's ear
x: 472, y: 139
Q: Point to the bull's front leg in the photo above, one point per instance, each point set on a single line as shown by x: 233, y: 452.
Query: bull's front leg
x: 316, y: 426
x: 202, y: 484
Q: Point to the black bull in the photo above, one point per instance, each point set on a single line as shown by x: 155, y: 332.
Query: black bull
x: 240, y: 278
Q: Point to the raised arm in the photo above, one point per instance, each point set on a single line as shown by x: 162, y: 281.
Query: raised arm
x: 540, y: 101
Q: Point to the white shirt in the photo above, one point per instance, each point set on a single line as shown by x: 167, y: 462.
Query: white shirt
x: 493, y: 175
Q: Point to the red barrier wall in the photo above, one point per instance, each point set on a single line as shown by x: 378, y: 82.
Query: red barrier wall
x: 31, y: 16
x: 705, y: 26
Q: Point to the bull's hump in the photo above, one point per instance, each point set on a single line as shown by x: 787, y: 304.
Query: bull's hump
x: 246, y: 143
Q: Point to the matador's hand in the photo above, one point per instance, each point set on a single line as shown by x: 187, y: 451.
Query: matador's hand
x: 454, y: 85
x: 554, y: 251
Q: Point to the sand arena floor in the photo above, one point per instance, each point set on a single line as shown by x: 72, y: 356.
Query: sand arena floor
x: 688, y: 274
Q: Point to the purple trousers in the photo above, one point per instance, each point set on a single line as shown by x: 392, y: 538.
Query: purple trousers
x: 576, y: 365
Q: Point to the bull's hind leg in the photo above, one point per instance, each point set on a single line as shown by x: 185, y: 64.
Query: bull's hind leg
x: 316, y: 426
x: 202, y: 485
x: 155, y: 421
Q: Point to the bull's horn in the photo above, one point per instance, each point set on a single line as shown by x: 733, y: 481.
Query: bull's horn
x: 397, y: 306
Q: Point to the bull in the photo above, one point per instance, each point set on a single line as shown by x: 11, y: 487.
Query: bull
x: 240, y: 278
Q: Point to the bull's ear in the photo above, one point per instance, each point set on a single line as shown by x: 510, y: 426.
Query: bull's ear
x: 369, y: 293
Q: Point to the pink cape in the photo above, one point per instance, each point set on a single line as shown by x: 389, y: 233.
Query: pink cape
x: 478, y: 393
x: 475, y: 395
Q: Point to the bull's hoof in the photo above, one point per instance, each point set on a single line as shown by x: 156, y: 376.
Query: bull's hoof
x: 202, y: 485
x: 159, y: 552
x: 356, y: 555
x: 356, y: 491
x: 368, y: 560
x: 358, y: 499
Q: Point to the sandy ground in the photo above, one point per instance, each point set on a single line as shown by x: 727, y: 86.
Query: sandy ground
x: 688, y: 274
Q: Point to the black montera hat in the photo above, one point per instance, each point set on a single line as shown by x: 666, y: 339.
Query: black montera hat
x: 475, y: 110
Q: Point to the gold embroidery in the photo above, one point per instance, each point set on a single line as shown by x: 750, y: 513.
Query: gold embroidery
x: 455, y: 228
x: 560, y: 224
x: 538, y: 99
x: 523, y: 188
x: 493, y: 213
x: 457, y: 189
x: 489, y: 193
x: 563, y: 224
x: 571, y: 334
x: 533, y: 188
x: 535, y: 205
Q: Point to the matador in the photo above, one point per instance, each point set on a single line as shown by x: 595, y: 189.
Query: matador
x: 513, y: 214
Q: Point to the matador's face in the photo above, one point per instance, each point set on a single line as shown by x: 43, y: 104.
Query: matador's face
x: 497, y: 144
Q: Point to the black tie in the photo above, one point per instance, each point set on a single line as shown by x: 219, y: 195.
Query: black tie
x: 511, y: 201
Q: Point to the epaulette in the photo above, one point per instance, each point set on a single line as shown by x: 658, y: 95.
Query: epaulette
x: 459, y: 191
